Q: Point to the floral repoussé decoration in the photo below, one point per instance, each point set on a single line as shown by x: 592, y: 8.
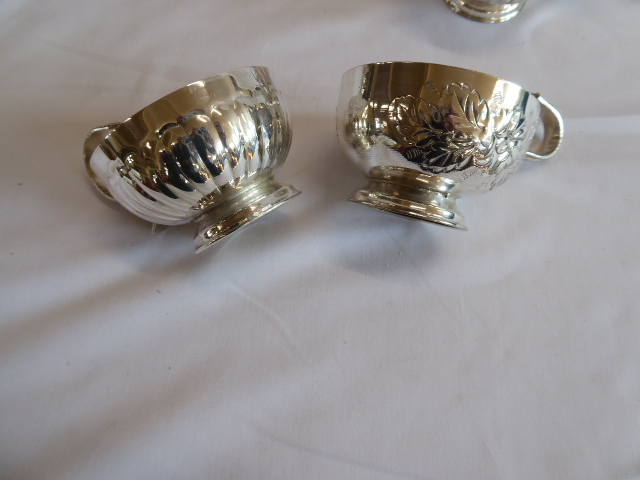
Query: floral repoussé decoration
x: 457, y: 133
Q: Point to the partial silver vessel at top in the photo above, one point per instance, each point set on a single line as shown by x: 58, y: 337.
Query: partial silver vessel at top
x: 488, y: 11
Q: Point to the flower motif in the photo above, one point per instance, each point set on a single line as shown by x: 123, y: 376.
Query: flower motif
x: 456, y: 133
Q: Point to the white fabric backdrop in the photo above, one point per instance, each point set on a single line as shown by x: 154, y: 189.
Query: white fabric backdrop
x: 327, y: 340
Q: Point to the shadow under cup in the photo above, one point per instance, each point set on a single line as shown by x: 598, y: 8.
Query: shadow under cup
x: 427, y: 134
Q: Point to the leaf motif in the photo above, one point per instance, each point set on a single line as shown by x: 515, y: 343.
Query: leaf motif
x: 457, y: 115
x: 412, y: 120
x: 467, y: 111
x: 503, y: 143
x: 430, y: 115
x: 443, y: 153
x: 477, y: 110
x: 509, y: 136
x: 403, y: 111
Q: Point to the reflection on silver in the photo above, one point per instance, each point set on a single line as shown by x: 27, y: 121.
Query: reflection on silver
x: 427, y: 134
x: 488, y: 11
x: 204, y: 153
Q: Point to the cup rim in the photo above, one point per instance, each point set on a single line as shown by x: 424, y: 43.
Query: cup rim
x: 441, y: 65
x: 196, y: 83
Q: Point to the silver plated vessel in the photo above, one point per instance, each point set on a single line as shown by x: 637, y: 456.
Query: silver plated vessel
x: 488, y: 11
x: 427, y: 134
x: 205, y: 153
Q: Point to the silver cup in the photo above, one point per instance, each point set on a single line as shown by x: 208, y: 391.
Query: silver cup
x: 488, y: 11
x: 205, y: 153
x: 427, y: 134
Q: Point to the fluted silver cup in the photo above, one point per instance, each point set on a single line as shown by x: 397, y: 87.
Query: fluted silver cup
x: 205, y: 153
x: 427, y: 134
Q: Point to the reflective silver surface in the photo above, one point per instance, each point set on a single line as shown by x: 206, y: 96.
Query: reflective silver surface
x: 427, y: 134
x: 488, y: 11
x: 204, y: 153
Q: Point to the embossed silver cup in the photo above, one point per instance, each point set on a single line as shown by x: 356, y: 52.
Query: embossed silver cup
x: 205, y: 153
x: 488, y: 11
x: 427, y: 134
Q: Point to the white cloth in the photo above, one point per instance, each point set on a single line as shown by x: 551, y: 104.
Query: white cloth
x: 327, y: 340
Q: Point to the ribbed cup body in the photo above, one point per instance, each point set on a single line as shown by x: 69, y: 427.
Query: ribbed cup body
x: 195, y: 148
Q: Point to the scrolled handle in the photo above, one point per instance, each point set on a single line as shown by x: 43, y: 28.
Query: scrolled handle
x: 545, y: 147
x: 93, y: 141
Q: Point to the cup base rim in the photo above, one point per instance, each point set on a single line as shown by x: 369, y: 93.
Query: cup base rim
x: 423, y: 210
x: 222, y: 220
